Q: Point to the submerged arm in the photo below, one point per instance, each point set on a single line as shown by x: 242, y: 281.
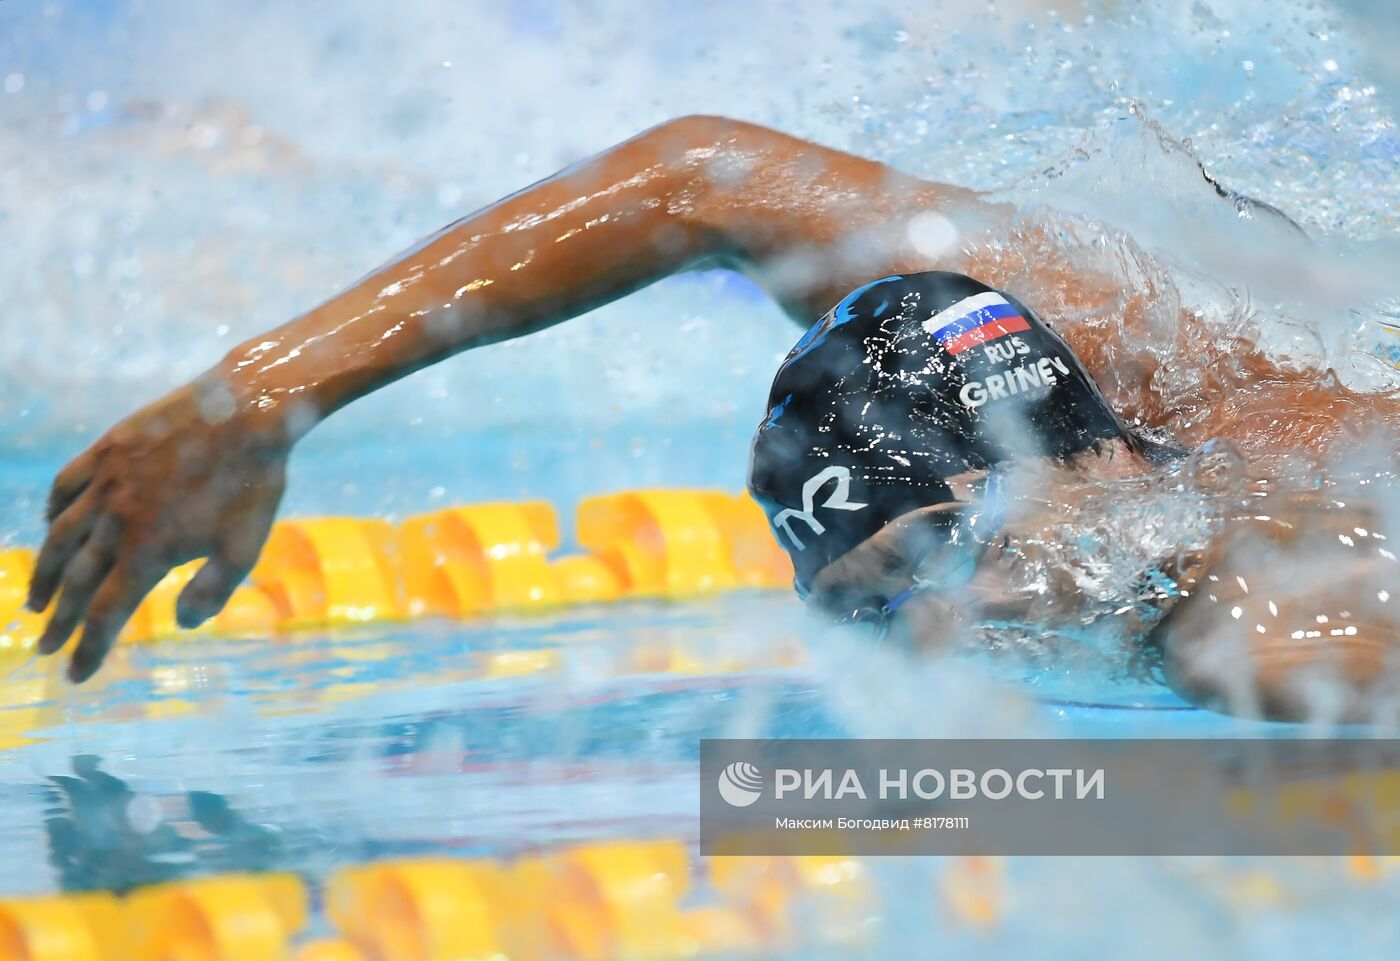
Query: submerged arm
x: 199, y: 473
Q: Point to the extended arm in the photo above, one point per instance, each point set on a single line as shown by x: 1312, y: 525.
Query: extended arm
x: 693, y: 191
x: 199, y: 473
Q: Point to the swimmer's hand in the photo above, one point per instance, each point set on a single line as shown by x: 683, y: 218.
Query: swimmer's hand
x: 885, y: 564
x: 187, y: 477
x: 1024, y: 573
x: 175, y: 482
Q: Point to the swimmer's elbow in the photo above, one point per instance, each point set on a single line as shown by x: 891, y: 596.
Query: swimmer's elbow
x: 702, y: 153
x: 699, y: 130
x: 725, y: 151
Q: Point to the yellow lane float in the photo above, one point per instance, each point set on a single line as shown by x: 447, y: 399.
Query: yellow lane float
x: 19, y: 627
x: 428, y: 910
x: 757, y: 558
x: 86, y: 927
x: 624, y: 900
x: 474, y: 560
x: 667, y: 542
x: 587, y: 579
x: 471, y: 561
x: 788, y: 898
x: 609, y: 900
x: 228, y: 918
x: 333, y: 570
x: 330, y: 950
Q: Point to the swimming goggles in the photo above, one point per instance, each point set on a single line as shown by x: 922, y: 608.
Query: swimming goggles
x: 953, y: 561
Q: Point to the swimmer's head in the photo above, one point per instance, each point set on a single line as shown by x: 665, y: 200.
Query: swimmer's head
x: 908, y: 384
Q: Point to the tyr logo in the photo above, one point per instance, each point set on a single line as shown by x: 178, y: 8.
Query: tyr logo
x: 839, y: 501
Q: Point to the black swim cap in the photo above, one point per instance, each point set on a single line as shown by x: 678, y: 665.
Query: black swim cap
x: 906, y: 382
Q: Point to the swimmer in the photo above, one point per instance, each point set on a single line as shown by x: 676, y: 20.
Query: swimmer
x: 884, y: 472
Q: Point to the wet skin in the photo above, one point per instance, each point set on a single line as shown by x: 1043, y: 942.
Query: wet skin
x: 1284, y: 613
x: 199, y: 473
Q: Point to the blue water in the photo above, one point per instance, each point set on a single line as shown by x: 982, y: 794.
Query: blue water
x: 328, y: 749
x: 311, y: 752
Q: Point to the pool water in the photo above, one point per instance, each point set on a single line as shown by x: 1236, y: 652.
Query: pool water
x: 174, y: 195
x: 510, y: 736
x: 325, y: 749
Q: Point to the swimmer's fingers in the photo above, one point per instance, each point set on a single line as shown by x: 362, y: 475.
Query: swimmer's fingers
x: 120, y: 593
x: 67, y: 534
x: 916, y: 534
x: 884, y: 564
x: 209, y: 591
x: 234, y: 556
x: 81, y: 578
x: 866, y: 576
x: 71, y: 482
x: 929, y: 623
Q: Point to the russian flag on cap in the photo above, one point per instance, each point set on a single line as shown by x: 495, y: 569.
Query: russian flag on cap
x: 975, y: 320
